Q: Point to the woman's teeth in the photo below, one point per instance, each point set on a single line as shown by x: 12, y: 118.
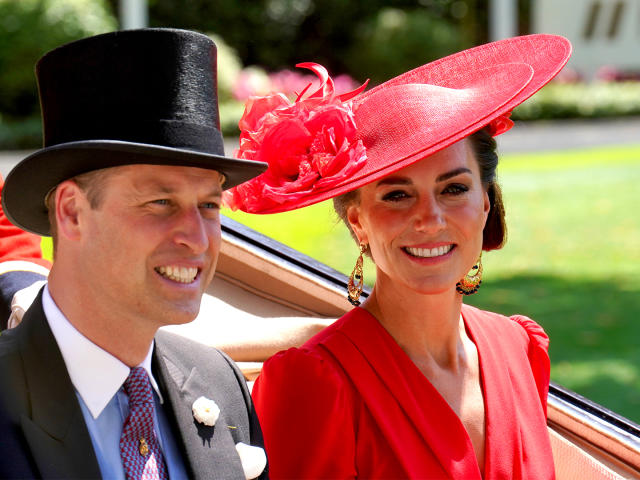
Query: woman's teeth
x: 178, y: 274
x: 429, y: 252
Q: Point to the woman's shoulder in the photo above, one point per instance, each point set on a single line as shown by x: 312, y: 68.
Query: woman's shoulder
x: 308, y: 359
x: 313, y: 362
x: 519, y: 326
x: 350, y: 320
x: 305, y: 376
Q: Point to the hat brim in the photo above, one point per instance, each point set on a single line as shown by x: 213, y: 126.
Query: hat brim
x: 25, y: 189
x: 466, y: 91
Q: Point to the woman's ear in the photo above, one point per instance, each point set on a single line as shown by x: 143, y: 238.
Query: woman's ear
x: 355, y: 220
x: 487, y: 205
x: 69, y: 202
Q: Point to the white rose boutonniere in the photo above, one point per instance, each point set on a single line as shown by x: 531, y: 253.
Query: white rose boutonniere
x: 253, y: 460
x: 205, y: 411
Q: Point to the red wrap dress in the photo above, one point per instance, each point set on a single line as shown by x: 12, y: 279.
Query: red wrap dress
x: 350, y: 403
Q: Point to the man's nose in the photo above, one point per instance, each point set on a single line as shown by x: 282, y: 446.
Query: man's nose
x: 192, y: 231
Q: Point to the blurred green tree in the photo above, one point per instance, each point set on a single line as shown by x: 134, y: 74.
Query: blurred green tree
x: 339, y: 34
x: 29, y: 28
x: 396, y: 40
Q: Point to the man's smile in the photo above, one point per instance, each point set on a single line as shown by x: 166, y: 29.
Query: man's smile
x: 178, y: 273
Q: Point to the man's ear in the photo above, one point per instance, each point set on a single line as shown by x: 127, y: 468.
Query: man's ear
x: 355, y: 220
x: 69, y: 202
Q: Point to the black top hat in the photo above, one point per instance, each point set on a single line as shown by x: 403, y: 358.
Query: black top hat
x: 131, y: 97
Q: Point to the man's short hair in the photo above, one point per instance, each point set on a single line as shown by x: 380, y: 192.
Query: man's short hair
x: 93, y: 185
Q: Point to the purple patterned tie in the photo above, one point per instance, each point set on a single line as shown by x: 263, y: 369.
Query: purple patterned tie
x: 139, y: 449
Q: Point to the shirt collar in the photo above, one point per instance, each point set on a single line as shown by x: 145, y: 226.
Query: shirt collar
x: 95, y: 373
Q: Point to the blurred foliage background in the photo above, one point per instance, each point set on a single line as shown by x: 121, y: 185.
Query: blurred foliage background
x: 29, y: 28
x: 260, y: 41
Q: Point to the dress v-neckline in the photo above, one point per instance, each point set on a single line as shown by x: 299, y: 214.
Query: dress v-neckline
x: 445, y: 404
x: 416, y: 391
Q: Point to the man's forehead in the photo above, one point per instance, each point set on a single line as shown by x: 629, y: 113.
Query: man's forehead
x: 169, y: 177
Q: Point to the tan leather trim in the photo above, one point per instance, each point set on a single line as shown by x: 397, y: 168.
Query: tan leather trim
x: 572, y: 462
x: 277, y: 282
x: 608, y: 446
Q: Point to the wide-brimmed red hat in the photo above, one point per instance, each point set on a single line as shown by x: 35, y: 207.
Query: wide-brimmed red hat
x: 323, y: 145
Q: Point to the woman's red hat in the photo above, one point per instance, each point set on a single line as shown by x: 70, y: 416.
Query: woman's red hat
x: 324, y: 145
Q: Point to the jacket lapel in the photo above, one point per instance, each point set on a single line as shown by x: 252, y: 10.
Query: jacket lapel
x: 209, y: 451
x: 55, y: 429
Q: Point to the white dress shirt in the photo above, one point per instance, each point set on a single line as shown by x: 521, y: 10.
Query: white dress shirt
x: 97, y: 377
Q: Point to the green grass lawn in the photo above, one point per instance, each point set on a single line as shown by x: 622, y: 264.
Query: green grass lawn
x: 572, y: 262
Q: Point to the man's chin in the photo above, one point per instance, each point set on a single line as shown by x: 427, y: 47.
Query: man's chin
x: 179, y: 316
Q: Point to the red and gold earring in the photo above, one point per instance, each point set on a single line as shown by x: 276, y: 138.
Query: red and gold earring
x: 356, y: 279
x: 472, y: 280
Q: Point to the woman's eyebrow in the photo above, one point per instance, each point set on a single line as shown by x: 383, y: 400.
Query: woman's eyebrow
x: 393, y: 181
x: 452, y: 173
x: 407, y: 181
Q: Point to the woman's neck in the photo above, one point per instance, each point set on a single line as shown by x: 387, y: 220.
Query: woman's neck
x: 427, y: 327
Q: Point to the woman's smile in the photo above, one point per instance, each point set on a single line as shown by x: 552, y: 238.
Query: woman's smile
x: 425, y: 252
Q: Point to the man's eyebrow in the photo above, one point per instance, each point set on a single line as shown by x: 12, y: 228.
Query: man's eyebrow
x: 216, y: 191
x: 452, y: 173
x: 163, y: 188
x: 152, y: 186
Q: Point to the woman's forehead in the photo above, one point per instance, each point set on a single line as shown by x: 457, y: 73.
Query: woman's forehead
x: 457, y: 158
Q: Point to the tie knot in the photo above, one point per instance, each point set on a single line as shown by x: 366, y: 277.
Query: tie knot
x: 138, y: 387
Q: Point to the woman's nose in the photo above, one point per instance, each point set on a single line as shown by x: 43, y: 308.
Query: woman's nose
x: 429, y: 216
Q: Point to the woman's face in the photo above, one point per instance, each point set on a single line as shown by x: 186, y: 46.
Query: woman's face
x: 424, y: 223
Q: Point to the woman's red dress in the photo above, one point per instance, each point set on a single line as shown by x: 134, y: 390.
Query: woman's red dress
x: 350, y: 403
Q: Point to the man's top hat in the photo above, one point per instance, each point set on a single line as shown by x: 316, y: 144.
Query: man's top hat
x: 131, y: 97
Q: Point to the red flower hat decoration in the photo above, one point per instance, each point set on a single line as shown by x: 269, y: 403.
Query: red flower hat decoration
x: 310, y: 144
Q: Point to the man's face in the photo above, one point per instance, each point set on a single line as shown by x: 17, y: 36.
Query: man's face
x: 150, y: 249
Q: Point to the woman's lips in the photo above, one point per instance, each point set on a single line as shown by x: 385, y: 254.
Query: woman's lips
x: 428, y: 252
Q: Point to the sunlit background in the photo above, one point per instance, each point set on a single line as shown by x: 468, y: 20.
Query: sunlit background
x: 570, y: 168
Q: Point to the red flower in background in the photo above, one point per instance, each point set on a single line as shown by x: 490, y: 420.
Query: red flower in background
x: 309, y: 144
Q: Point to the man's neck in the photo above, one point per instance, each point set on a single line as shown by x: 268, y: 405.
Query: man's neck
x: 127, y: 340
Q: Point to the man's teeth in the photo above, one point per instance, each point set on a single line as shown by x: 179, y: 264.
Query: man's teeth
x: 429, y: 252
x: 178, y: 274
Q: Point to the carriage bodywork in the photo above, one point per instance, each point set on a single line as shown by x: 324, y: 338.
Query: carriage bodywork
x: 263, y: 277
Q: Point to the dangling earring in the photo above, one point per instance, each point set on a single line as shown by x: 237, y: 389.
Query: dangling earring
x: 472, y: 280
x: 356, y: 280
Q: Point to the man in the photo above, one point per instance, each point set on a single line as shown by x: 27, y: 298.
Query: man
x: 129, y: 186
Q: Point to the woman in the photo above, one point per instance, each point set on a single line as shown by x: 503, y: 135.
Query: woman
x: 412, y: 383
